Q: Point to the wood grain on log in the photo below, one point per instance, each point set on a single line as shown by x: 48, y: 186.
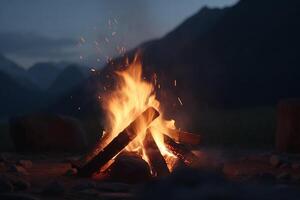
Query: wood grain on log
x: 117, y: 144
x: 157, y: 162
x: 181, y: 151
x: 183, y: 137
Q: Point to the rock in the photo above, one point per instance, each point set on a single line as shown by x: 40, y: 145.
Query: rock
x: 17, y: 197
x: 288, y: 126
x: 18, y: 169
x: 54, y: 188
x: 284, y: 166
x: 47, y: 133
x: 2, y: 166
x: 283, y: 176
x: 84, y: 185
x: 25, y: 163
x: 275, y: 161
x: 71, y: 172
x: 20, y: 183
x: 296, y: 166
x: 130, y: 168
x: 5, y: 185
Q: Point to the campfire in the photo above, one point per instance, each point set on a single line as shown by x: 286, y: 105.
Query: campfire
x: 135, y: 123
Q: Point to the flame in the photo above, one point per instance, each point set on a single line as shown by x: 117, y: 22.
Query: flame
x: 129, y: 99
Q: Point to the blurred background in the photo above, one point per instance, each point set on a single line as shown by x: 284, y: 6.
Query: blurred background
x: 233, y: 61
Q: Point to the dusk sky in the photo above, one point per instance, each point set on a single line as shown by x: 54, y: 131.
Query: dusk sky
x: 87, y: 31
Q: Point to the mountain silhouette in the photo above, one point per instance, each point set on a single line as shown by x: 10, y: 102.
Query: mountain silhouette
x: 70, y: 77
x: 241, y: 56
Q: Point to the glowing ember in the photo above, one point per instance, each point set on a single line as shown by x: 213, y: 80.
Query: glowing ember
x: 132, y: 96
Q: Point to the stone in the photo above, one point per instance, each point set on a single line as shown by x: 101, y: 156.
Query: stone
x: 25, y: 163
x: 71, y: 172
x: 2, y: 166
x: 283, y: 176
x: 20, y: 183
x: 296, y: 166
x: 129, y: 168
x: 284, y: 166
x: 5, y: 185
x: 288, y: 126
x: 275, y: 161
x: 47, y: 133
x: 18, y: 170
x: 54, y: 188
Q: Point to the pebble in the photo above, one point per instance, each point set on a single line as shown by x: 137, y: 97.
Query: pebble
x: 2, y: 165
x: 296, y: 166
x: 25, y: 163
x: 54, y: 188
x: 18, y: 169
x: 283, y: 176
x: 275, y: 160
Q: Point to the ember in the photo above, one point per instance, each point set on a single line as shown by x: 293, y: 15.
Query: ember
x: 135, y: 123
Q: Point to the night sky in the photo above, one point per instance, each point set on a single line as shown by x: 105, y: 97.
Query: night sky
x: 87, y: 31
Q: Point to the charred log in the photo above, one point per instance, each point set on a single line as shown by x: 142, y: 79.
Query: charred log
x: 181, y: 151
x: 183, y: 137
x: 158, y: 164
x: 117, y: 144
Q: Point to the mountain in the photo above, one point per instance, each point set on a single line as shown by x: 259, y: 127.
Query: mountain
x: 14, y: 98
x: 16, y: 72
x: 241, y: 56
x: 43, y: 74
x: 70, y: 77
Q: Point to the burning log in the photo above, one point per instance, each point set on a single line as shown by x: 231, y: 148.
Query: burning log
x: 183, y: 137
x: 158, y: 164
x: 118, y: 143
x: 181, y: 151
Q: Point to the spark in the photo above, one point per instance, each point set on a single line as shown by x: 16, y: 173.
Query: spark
x: 79, y: 108
x: 93, y: 70
x: 175, y: 83
x: 80, y: 57
x: 116, y: 21
x: 180, y: 101
x: 158, y: 86
x: 82, y: 40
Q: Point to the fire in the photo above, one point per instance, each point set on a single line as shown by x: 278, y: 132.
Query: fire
x: 129, y: 99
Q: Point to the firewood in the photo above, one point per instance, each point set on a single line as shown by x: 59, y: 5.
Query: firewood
x: 157, y: 162
x: 117, y: 144
x: 183, y: 137
x: 181, y: 151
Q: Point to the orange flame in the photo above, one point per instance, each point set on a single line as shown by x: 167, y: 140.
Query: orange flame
x: 131, y: 97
